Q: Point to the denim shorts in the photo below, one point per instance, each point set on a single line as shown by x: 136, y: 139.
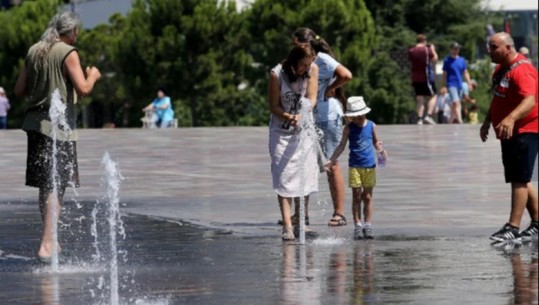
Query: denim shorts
x: 518, y: 157
x: 455, y: 94
x: 332, y: 135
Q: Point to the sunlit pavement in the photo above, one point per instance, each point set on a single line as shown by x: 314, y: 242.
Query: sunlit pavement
x: 201, y: 225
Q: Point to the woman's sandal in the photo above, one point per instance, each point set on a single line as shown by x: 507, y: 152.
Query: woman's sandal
x: 337, y: 220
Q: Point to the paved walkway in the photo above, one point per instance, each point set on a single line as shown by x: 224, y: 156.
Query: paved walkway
x: 201, y: 216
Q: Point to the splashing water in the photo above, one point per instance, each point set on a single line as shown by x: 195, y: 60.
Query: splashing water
x: 57, y: 113
x: 60, y: 131
x: 311, y: 136
x: 93, y: 230
x: 59, y: 124
x: 112, y: 184
x: 109, y: 204
x: 330, y: 241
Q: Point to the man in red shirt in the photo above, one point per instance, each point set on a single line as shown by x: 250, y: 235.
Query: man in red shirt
x: 423, y: 56
x: 513, y: 114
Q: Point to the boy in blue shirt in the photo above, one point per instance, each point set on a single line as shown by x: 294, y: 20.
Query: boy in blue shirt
x: 364, y: 145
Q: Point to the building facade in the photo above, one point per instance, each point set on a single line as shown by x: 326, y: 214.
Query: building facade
x: 519, y: 20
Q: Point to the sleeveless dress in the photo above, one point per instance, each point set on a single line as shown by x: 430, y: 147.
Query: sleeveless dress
x: 47, y: 141
x: 293, y: 150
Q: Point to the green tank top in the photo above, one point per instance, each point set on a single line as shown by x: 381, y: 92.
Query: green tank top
x: 41, y: 84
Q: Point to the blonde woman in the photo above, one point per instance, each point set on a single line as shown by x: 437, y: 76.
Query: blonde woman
x: 53, y: 65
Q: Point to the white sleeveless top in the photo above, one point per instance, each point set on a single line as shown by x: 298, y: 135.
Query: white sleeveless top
x: 294, y: 165
x: 292, y: 99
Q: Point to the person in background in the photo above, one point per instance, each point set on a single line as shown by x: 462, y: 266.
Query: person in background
x: 422, y: 57
x: 364, y: 146
x: 328, y: 113
x: 455, y: 69
x: 443, y: 107
x: 467, y: 100
x: 53, y: 65
x: 163, y: 115
x: 513, y: 114
x: 524, y: 51
x: 293, y: 150
x: 473, y: 115
x: 4, y: 108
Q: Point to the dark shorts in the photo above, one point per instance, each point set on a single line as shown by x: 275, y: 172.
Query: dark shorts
x: 422, y: 89
x: 518, y: 157
x: 39, y: 162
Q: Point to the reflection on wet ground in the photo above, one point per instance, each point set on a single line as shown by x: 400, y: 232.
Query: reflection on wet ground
x: 200, y: 219
x: 171, y: 262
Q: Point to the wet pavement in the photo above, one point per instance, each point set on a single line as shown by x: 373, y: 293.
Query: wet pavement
x: 200, y: 222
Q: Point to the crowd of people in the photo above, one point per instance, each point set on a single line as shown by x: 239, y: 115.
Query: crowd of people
x: 512, y: 114
x: 452, y: 101
x: 310, y: 125
x: 307, y: 109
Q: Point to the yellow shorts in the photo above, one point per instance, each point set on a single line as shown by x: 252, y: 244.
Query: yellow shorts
x: 361, y: 177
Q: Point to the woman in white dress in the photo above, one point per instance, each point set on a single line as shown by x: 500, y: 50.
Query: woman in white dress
x: 293, y: 87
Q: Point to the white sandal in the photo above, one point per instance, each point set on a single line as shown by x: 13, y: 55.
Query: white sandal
x: 288, y: 234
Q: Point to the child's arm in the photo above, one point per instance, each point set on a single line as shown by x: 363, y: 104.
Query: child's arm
x: 377, y: 142
x: 340, y: 148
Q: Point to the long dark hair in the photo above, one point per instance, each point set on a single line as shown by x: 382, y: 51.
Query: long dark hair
x: 290, y: 64
x: 318, y: 44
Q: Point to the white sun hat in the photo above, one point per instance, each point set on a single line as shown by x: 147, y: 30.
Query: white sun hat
x: 355, y: 106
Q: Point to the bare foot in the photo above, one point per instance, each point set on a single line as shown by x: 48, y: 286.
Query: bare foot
x: 45, y: 250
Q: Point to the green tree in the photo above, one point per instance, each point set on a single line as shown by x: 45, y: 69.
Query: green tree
x: 99, y: 47
x: 443, y: 21
x: 21, y: 27
x: 214, y: 61
x: 346, y: 25
x: 193, y: 48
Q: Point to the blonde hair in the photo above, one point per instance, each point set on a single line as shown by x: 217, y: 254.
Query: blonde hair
x: 60, y: 24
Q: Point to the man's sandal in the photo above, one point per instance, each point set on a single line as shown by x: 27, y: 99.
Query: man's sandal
x: 337, y: 220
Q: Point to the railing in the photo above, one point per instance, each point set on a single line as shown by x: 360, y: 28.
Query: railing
x: 147, y: 120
